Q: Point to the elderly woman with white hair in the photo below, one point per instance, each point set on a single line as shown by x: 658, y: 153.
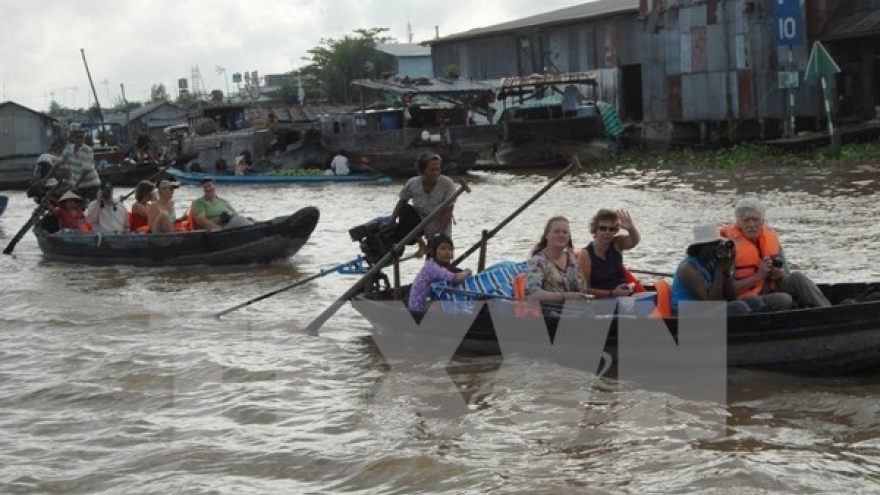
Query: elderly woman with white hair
x: 761, y: 268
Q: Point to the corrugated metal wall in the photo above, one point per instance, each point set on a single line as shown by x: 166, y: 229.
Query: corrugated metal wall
x: 599, y: 46
x: 23, y: 132
x: 716, y: 60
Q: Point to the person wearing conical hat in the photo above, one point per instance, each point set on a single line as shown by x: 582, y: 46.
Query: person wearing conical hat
x: 68, y: 211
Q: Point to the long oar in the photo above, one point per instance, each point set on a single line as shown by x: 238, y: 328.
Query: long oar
x: 647, y: 272
x: 34, y: 216
x: 355, y: 262
x: 153, y: 177
x: 575, y: 165
x: 318, y: 322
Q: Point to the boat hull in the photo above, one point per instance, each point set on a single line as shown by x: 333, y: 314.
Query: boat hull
x: 263, y: 242
x: 195, y: 178
x: 841, y: 339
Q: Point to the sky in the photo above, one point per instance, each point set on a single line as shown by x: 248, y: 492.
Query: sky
x: 142, y: 43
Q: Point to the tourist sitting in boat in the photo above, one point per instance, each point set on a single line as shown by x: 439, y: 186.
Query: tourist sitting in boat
x: 339, y: 165
x: 427, y: 191
x: 161, y: 215
x: 761, y: 266
x: 601, y: 261
x: 105, y: 214
x: 213, y: 212
x: 437, y: 268
x: 553, y: 274
x: 144, y: 194
x: 68, y: 212
x: 705, y: 274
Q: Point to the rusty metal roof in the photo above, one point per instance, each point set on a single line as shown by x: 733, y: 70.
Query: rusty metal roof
x: 568, y: 15
x: 424, y: 85
x: 545, y: 79
x: 860, y: 24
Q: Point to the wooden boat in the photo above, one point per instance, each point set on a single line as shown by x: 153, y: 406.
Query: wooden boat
x: 840, y: 339
x: 196, y: 177
x: 129, y: 174
x: 276, y: 239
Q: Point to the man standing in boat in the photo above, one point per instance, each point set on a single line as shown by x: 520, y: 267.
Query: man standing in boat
x: 81, y: 159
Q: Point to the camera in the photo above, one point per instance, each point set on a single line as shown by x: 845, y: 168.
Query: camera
x: 727, y: 244
x: 777, y: 261
x: 725, y: 249
x: 225, y: 217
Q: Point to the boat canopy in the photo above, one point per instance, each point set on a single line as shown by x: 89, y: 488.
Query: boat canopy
x: 537, y: 83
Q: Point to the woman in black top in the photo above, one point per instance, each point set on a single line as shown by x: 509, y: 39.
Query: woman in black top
x: 601, y: 261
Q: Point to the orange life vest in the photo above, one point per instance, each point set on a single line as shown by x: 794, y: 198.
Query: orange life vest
x: 750, y: 255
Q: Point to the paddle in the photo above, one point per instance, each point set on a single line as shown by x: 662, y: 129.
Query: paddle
x: 353, y: 263
x: 150, y: 179
x: 575, y: 165
x: 34, y: 216
x: 647, y: 272
x: 318, y: 322
x: 30, y: 222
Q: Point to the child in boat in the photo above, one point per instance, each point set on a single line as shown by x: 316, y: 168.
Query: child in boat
x: 437, y: 268
x: 68, y: 212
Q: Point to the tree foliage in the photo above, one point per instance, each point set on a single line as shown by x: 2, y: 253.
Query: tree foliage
x: 335, y: 63
x: 158, y: 93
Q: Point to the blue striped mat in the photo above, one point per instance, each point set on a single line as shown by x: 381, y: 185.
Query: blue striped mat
x: 496, y: 280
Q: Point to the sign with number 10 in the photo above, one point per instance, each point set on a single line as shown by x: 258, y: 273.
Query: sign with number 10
x: 788, y: 22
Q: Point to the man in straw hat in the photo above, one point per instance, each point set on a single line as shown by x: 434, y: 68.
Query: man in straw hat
x: 706, y: 273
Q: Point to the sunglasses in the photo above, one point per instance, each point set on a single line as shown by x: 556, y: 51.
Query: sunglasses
x: 607, y: 228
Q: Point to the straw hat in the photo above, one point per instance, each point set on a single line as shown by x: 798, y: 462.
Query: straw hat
x: 168, y: 183
x: 69, y: 195
x: 704, y: 234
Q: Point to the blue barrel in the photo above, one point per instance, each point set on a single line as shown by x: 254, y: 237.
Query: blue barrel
x: 389, y: 121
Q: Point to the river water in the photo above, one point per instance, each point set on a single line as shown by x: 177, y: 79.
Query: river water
x: 117, y: 380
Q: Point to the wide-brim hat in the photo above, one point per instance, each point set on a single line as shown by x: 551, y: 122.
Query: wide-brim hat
x: 705, y: 234
x: 168, y: 183
x: 69, y: 195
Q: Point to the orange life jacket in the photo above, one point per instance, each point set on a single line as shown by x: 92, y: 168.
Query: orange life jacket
x: 524, y: 307
x: 664, y: 300
x: 750, y: 255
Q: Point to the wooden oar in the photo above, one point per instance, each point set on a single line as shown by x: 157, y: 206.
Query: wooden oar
x: 27, y: 225
x: 153, y: 177
x: 575, y: 165
x: 648, y: 272
x: 320, y: 274
x: 318, y: 322
x: 34, y: 217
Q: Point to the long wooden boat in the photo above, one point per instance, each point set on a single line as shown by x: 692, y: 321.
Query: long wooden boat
x: 196, y: 177
x: 266, y: 241
x: 840, y: 339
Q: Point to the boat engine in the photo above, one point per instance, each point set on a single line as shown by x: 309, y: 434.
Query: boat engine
x: 373, y: 243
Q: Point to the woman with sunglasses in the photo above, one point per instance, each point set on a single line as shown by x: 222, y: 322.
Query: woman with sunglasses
x: 601, y: 261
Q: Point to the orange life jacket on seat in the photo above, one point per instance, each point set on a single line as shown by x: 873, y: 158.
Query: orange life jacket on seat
x: 664, y: 300
x: 523, y: 307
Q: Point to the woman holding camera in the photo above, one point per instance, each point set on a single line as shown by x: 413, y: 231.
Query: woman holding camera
x: 706, y: 273
x: 761, y: 269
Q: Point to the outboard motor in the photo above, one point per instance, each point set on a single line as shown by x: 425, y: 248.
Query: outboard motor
x: 373, y: 243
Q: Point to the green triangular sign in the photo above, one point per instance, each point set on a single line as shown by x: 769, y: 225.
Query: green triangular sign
x: 820, y: 63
